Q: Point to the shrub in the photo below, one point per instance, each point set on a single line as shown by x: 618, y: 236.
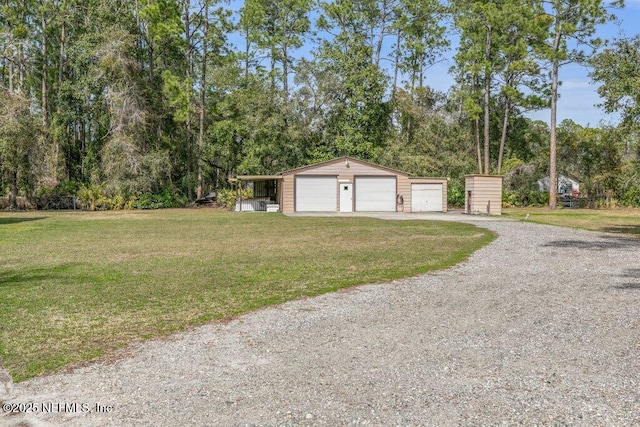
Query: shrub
x: 118, y: 202
x: 523, y: 197
x: 93, y: 198
x: 148, y: 201
x: 538, y: 198
x: 59, y: 196
x: 455, y: 194
x: 166, y: 199
x: 229, y: 196
x: 509, y: 199
x: 631, y: 196
x: 64, y: 188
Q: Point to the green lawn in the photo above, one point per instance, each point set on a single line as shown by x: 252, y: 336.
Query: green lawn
x: 619, y: 221
x: 74, y: 286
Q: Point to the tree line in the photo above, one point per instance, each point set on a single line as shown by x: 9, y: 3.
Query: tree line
x: 159, y: 102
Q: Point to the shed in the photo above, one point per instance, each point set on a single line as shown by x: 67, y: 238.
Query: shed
x: 483, y: 194
x: 346, y: 184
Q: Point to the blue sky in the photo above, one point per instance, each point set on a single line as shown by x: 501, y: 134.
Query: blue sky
x: 578, y: 94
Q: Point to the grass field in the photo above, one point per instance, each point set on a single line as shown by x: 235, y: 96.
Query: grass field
x: 619, y: 221
x: 74, y: 286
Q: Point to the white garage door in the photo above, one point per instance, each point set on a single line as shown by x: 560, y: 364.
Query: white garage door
x: 375, y: 194
x: 426, y: 197
x: 316, y: 194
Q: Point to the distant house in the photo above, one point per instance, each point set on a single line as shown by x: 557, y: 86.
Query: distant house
x: 566, y: 186
x: 345, y: 184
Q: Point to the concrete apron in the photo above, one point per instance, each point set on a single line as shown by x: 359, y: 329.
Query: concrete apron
x: 454, y: 216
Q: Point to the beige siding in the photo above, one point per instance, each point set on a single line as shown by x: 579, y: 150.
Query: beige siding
x: 445, y: 195
x: 339, y: 168
x: 486, y: 193
x: 287, y: 194
x: 404, y: 189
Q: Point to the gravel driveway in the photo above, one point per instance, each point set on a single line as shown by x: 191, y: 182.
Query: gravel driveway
x: 540, y: 327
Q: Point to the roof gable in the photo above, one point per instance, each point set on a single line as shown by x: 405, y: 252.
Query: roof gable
x: 345, y: 165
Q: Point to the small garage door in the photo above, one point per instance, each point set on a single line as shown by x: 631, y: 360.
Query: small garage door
x: 426, y: 197
x: 375, y: 194
x: 316, y: 194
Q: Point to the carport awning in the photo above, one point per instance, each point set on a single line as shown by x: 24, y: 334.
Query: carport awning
x: 256, y: 178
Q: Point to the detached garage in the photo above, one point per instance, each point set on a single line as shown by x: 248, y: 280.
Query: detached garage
x: 346, y: 184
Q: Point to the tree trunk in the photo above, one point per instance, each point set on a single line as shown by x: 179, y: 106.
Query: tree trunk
x: 379, y: 46
x: 20, y: 67
x: 203, y: 98
x: 63, y: 37
x: 189, y: 73
x: 11, y: 76
x: 136, y: 13
x: 247, y: 49
x: 45, y: 100
x: 396, y: 66
x: 71, y: 131
x: 487, y: 89
x: 553, y: 174
x: 13, y: 191
x: 146, y: 39
x: 476, y: 131
x: 503, y: 137
x: 273, y: 71
x: 285, y: 72
x: 285, y: 84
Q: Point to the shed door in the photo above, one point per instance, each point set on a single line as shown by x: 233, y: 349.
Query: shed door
x: 375, y: 194
x: 316, y: 194
x: 426, y: 197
